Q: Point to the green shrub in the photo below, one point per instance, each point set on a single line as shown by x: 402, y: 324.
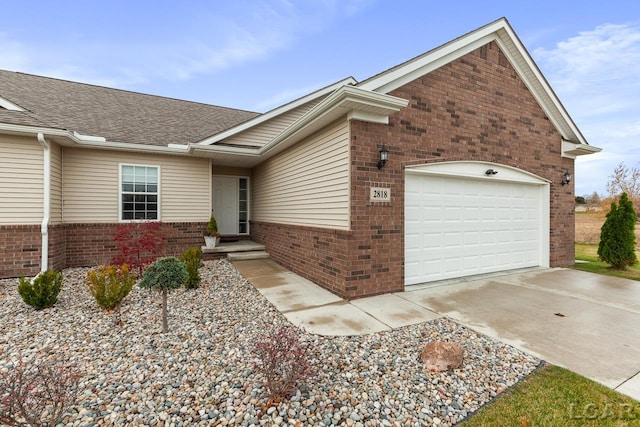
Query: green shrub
x: 617, y: 235
x: 164, y: 275
x: 42, y: 291
x: 110, y: 284
x: 192, y: 258
x: 212, y: 227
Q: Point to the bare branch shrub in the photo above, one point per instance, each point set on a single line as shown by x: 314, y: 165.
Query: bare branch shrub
x: 283, y: 361
x: 36, y: 394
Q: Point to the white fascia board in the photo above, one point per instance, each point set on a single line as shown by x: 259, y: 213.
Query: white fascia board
x: 89, y: 138
x: 276, y: 112
x: 430, y: 61
x: 74, y: 138
x: 501, y: 32
x: 222, y: 149
x: 571, y: 150
x: 365, y: 116
x: 341, y: 102
x: 537, y: 84
x: 31, y: 130
x: 8, y: 105
x: 127, y: 146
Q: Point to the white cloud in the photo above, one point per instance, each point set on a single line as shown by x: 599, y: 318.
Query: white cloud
x: 220, y: 38
x: 595, y: 74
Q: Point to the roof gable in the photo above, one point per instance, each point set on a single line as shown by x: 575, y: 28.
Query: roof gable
x: 501, y: 32
x: 279, y: 113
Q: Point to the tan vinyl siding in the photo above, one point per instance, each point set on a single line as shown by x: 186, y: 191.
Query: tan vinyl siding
x: 21, y: 180
x: 91, y: 190
x: 261, y: 134
x: 56, y: 184
x: 307, y: 184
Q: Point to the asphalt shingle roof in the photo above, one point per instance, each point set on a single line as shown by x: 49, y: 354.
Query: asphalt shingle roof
x: 117, y: 115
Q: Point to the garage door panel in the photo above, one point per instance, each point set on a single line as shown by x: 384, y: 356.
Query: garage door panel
x: 459, y: 226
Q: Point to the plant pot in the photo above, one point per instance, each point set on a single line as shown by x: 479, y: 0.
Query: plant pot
x: 211, y: 241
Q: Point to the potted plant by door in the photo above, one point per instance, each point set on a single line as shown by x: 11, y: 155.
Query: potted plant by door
x: 211, y: 236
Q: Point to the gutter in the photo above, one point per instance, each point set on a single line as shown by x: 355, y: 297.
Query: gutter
x: 44, y: 229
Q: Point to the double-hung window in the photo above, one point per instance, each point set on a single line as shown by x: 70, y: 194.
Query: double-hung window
x: 139, y: 192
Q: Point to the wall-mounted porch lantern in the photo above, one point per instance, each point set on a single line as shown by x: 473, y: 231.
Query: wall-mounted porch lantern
x: 566, y: 178
x: 384, y: 156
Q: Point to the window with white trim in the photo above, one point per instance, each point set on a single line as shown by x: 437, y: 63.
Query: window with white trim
x: 139, y: 192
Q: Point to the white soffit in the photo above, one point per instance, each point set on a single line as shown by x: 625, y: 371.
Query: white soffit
x: 501, y: 32
x: 571, y: 150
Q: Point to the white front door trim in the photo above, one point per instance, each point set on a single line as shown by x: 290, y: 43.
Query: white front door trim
x: 226, y: 204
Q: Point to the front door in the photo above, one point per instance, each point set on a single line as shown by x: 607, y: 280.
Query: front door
x: 230, y: 204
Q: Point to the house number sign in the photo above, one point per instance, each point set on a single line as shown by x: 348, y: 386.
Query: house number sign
x: 379, y: 194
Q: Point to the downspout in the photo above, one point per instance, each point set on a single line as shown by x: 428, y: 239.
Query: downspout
x: 44, y: 265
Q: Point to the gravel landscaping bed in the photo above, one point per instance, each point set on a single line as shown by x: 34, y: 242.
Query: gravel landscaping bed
x: 200, y: 373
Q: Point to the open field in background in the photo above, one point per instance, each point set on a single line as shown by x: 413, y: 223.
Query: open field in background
x: 588, y: 226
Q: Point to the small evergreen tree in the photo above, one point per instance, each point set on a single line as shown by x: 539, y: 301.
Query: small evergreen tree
x: 42, y: 291
x: 110, y: 284
x: 164, y: 275
x: 192, y: 258
x: 617, y: 236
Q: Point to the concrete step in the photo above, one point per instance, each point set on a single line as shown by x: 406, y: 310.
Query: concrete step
x: 242, y: 256
x: 238, y: 246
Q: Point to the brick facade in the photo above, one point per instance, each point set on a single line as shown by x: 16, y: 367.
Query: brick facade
x: 19, y: 250
x: 79, y: 245
x: 474, y: 108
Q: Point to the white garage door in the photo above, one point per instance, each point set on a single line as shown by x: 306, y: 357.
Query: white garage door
x: 461, y: 226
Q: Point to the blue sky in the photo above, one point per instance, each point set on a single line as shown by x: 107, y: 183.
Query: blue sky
x: 256, y: 55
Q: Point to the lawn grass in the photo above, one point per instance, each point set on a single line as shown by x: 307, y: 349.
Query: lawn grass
x: 553, y: 396
x: 589, y: 252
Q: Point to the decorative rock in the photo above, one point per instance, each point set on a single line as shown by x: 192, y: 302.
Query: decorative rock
x: 441, y: 356
x: 201, y: 372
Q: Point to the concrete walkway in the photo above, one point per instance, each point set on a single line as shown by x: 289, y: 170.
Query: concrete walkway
x: 585, y: 322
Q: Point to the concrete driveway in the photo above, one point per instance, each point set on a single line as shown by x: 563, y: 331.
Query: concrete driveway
x: 585, y: 322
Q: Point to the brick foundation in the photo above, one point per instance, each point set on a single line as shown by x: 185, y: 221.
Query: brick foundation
x: 19, y: 250
x: 78, y: 245
x: 92, y: 244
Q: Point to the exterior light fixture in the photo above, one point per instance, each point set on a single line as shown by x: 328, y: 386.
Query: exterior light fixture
x: 384, y: 156
x: 566, y: 178
x: 490, y: 172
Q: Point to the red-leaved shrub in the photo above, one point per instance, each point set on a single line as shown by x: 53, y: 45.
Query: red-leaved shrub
x: 139, y: 244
